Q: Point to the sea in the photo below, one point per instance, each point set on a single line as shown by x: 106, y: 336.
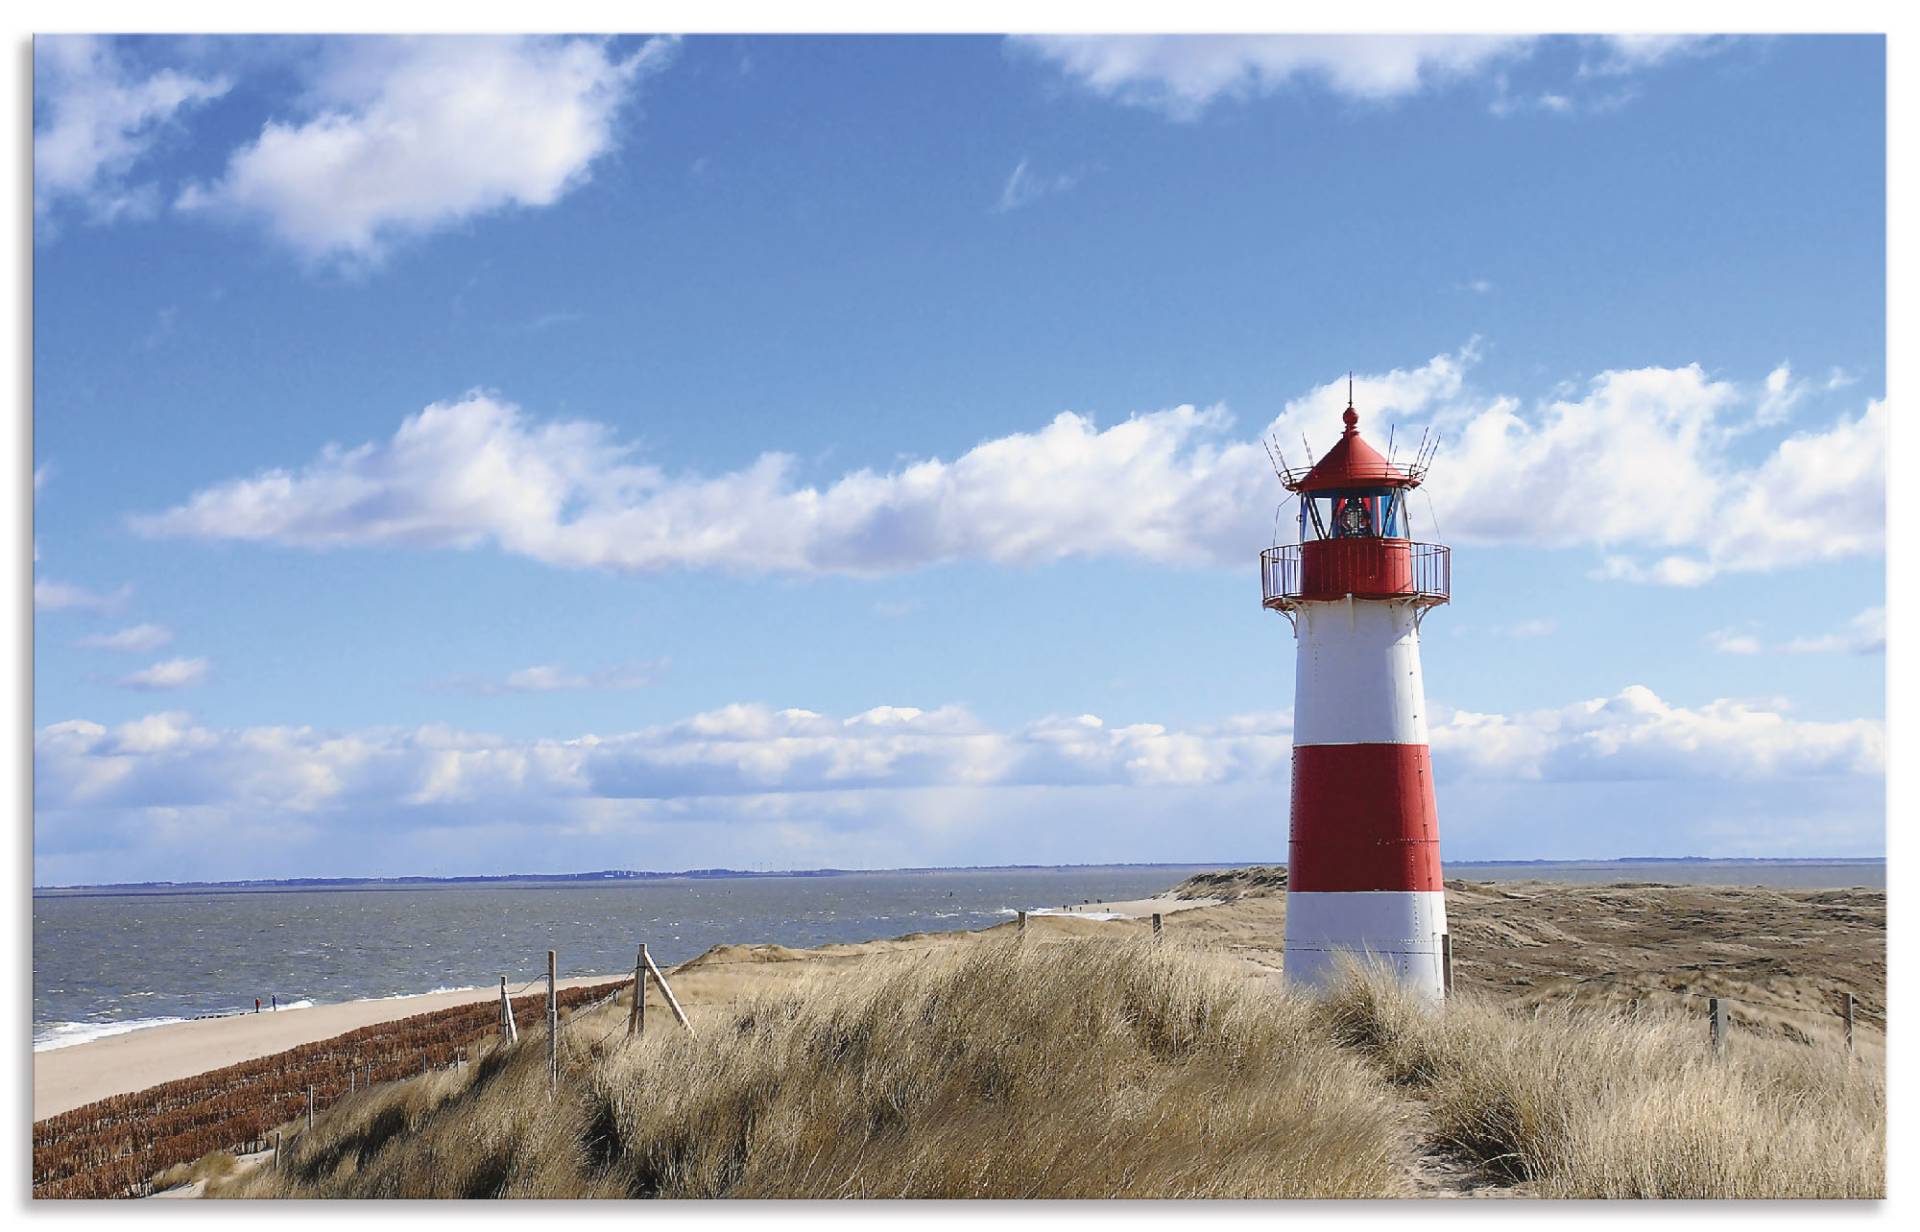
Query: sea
x: 108, y: 961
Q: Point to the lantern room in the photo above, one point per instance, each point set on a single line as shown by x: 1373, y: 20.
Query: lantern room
x: 1355, y: 536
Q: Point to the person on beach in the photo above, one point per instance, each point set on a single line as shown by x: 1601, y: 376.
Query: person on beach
x: 256, y: 1005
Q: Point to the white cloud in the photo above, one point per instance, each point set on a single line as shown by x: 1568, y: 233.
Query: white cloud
x: 411, y: 135
x: 1628, y: 53
x: 167, y: 674
x: 1642, y: 459
x: 1734, y: 642
x: 1537, y: 627
x: 52, y: 596
x: 1782, y: 395
x: 1638, y: 464
x: 1025, y: 186
x: 95, y: 117
x: 545, y: 678
x: 1182, y: 73
x: 1866, y: 633
x: 134, y: 638
x: 828, y: 781
x: 1636, y: 735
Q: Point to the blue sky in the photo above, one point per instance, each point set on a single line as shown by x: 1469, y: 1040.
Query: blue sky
x: 485, y: 455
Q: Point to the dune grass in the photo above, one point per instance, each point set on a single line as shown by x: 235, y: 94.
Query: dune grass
x: 1086, y: 1069
x: 1602, y: 1103
x: 1096, y: 1068
x: 209, y: 1167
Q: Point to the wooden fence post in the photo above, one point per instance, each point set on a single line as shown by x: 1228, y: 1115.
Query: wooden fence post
x: 1717, y: 1023
x: 553, y: 1023
x: 1023, y: 924
x: 666, y: 990
x: 1446, y: 964
x: 353, y: 1081
x: 637, y: 1016
x: 1846, y: 1014
x: 509, y: 1031
x: 309, y: 1105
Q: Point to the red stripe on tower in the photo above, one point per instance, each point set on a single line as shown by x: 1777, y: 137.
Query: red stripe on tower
x: 1363, y: 819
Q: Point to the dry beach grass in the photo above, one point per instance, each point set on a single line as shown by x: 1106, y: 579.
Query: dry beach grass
x: 1575, y: 1101
x: 1103, y: 1067
x: 1081, y: 1069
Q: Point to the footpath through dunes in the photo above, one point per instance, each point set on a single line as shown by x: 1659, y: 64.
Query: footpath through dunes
x: 1642, y: 954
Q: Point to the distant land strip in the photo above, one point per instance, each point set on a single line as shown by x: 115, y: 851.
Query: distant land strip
x: 625, y: 874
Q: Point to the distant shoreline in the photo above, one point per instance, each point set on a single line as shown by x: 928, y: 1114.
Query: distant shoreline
x: 615, y: 876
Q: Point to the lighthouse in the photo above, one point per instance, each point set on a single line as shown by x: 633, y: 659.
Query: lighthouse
x: 1364, y: 853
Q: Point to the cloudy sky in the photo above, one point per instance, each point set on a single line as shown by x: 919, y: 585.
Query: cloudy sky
x: 468, y: 456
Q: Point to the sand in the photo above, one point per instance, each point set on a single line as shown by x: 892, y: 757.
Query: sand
x: 1128, y: 909
x: 65, y: 1078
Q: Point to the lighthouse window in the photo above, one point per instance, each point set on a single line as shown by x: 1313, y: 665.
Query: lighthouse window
x: 1379, y: 513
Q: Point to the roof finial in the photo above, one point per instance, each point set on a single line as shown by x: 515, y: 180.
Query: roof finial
x: 1351, y: 417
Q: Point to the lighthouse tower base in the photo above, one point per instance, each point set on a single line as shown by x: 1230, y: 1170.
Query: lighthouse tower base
x: 1397, y: 930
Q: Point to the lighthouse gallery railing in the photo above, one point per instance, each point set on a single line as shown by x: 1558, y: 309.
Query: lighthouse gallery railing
x: 1429, y: 581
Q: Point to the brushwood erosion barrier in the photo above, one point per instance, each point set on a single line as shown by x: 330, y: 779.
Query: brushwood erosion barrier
x: 114, y: 1147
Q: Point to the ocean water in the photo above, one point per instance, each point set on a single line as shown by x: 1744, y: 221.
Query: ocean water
x: 104, y: 964
x: 108, y: 963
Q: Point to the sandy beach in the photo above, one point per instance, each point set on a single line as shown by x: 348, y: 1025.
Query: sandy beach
x: 1128, y: 909
x: 65, y: 1078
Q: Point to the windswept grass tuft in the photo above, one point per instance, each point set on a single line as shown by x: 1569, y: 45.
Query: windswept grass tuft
x: 1602, y: 1103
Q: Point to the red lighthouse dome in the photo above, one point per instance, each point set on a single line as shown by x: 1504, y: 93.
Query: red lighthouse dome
x: 1352, y: 463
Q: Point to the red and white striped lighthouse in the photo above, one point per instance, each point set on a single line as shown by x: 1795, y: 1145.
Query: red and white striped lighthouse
x: 1364, y: 865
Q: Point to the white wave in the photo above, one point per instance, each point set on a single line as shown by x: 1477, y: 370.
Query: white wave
x: 400, y: 996
x: 67, y: 1034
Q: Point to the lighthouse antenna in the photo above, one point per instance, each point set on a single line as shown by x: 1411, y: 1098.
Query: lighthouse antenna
x: 1390, y: 431
x: 1278, y: 459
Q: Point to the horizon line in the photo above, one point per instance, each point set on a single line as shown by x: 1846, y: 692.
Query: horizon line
x: 722, y: 872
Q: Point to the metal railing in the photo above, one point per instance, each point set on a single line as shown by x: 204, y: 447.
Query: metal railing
x: 1426, y: 579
